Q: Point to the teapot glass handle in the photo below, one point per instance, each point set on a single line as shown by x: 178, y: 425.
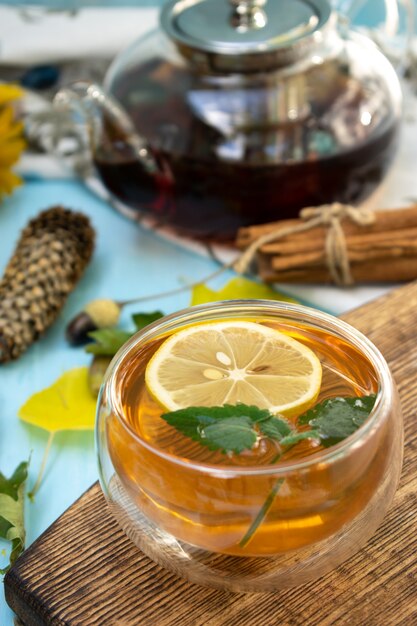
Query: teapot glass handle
x: 103, y: 115
x: 393, y: 30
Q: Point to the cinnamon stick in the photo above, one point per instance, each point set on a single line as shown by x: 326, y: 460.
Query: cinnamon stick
x: 404, y: 269
x: 387, y: 220
x: 384, y: 251
x: 355, y: 242
x: 319, y: 258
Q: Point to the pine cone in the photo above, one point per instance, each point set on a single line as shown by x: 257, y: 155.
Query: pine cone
x: 49, y: 258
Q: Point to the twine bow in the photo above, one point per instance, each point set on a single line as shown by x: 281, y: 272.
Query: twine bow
x: 328, y: 215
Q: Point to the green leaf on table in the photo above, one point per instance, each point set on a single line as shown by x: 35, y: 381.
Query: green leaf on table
x: 107, y: 341
x: 144, y: 319
x: 337, y: 418
x: 229, y: 428
x: 235, y: 289
x: 12, y: 511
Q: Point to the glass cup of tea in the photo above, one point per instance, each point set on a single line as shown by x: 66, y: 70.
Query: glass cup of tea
x: 249, y: 445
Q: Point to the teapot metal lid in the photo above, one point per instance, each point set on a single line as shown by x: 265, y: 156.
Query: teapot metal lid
x: 245, y: 35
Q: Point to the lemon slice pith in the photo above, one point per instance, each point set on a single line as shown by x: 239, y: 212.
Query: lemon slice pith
x: 234, y: 361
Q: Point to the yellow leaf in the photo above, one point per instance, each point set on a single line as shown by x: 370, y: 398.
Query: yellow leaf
x: 236, y: 289
x: 65, y: 405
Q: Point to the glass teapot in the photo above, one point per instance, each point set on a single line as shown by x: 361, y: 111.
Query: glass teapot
x: 236, y: 112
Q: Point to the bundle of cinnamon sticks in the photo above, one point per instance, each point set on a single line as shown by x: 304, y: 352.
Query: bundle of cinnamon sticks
x: 384, y: 251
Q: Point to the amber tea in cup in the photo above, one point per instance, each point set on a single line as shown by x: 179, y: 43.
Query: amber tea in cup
x: 272, y: 490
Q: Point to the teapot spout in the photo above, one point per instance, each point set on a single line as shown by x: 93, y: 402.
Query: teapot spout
x: 110, y: 137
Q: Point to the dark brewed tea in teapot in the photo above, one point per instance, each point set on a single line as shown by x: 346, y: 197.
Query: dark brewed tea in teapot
x: 238, y: 112
x: 211, y: 183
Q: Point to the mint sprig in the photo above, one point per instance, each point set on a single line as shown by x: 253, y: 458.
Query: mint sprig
x: 235, y: 428
x: 337, y: 418
x: 228, y: 428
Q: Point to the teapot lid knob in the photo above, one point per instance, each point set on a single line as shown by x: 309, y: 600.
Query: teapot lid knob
x: 248, y: 14
x: 244, y: 35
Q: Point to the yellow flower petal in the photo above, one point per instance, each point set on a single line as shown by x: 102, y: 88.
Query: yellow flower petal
x: 10, y: 152
x: 12, y: 143
x: 6, y: 117
x: 8, y: 126
x: 8, y: 93
x: 13, y: 131
x: 8, y: 181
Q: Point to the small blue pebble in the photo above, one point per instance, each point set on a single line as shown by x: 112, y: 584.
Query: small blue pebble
x: 40, y: 77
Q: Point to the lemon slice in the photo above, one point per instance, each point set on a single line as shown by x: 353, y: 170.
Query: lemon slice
x: 234, y: 361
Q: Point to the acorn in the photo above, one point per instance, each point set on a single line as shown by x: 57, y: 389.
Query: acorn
x: 103, y: 313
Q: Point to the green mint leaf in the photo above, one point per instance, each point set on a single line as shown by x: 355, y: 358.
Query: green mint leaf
x: 197, y: 422
x: 337, y: 418
x: 107, y: 341
x: 294, y: 438
x: 254, y: 413
x: 275, y: 428
x: 233, y: 434
x: 144, y: 319
x: 190, y: 421
x: 11, y: 511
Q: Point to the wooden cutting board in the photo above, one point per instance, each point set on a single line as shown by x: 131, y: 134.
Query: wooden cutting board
x: 83, y: 571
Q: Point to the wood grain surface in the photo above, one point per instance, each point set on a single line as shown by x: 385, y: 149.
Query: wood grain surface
x: 83, y: 571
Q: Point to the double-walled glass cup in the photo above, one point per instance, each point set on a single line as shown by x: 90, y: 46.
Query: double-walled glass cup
x: 192, y: 518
